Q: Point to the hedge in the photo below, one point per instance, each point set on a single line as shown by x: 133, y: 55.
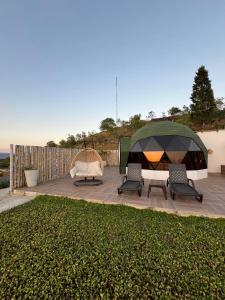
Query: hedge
x: 58, y: 248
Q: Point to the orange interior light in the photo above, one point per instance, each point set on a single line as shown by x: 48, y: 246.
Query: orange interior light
x: 153, y: 156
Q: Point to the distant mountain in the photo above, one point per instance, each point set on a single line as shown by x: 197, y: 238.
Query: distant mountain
x: 3, y: 155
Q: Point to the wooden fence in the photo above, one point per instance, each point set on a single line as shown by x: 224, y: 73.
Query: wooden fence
x: 52, y: 163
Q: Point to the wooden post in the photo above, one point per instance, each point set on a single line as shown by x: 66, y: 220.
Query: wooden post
x: 11, y: 169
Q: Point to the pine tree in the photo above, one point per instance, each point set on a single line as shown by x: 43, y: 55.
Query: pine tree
x: 203, y: 101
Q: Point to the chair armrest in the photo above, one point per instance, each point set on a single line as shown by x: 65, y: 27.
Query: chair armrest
x: 192, y: 182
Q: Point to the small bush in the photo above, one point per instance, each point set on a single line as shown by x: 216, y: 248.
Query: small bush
x: 4, y: 184
x: 58, y: 248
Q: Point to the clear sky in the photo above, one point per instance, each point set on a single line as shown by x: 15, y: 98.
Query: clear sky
x: 59, y: 59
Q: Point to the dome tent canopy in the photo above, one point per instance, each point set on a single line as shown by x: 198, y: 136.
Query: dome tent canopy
x: 171, y: 137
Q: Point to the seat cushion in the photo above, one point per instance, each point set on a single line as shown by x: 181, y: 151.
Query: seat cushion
x: 86, y: 169
x: 94, y: 168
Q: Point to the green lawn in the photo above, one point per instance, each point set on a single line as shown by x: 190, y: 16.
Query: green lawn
x: 60, y: 248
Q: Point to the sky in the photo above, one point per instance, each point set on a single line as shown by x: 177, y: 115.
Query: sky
x: 59, y: 60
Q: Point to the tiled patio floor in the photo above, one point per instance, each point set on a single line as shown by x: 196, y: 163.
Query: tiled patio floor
x: 213, y: 189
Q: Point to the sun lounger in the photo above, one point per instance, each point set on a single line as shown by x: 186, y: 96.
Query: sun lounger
x: 133, y: 180
x: 179, y: 184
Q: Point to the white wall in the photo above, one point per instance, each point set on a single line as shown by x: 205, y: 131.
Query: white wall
x: 214, y: 140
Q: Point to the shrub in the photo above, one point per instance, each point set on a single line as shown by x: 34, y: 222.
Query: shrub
x: 65, y: 249
x: 4, y: 184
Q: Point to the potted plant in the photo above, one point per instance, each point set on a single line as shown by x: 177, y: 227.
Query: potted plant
x: 31, y: 175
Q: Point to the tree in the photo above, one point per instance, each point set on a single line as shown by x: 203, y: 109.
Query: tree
x: 83, y: 135
x: 186, y: 109
x: 219, y: 103
x: 107, y: 124
x: 151, y: 115
x: 78, y: 137
x: 174, y: 111
x: 136, y: 122
x: 63, y: 144
x: 121, y: 123
x: 203, y: 102
x: 51, y: 144
x: 71, y: 141
x: 91, y: 133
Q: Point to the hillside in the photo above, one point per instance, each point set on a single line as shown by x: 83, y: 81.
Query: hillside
x: 108, y: 137
x: 109, y: 140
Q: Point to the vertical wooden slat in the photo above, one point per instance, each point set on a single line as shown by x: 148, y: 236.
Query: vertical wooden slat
x: 53, y: 162
x: 20, y: 166
x: 27, y: 156
x: 16, y: 167
x: 26, y: 161
x: 49, y: 164
x: 57, y: 162
x: 11, y: 169
x: 42, y: 163
x: 36, y: 159
x: 32, y: 156
x: 39, y: 164
x: 23, y: 165
x: 46, y: 170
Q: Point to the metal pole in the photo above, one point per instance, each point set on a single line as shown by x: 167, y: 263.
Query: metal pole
x: 11, y: 170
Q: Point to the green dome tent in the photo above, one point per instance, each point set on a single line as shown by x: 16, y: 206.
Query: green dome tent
x: 159, y: 143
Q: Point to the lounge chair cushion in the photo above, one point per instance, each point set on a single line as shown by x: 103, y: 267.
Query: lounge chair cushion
x: 86, y: 169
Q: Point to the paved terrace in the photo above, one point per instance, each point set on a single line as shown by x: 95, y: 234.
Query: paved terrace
x: 213, y: 189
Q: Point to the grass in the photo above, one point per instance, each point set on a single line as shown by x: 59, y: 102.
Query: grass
x: 60, y: 248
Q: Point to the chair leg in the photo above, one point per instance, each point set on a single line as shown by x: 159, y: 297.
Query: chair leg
x: 172, y: 195
x: 119, y: 191
x: 164, y: 192
x: 149, y: 191
x: 200, y: 198
x: 140, y: 192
